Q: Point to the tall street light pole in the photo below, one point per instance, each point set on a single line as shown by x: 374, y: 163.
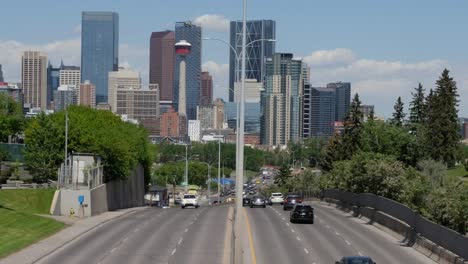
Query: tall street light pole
x: 186, y: 168
x: 219, y: 171
x: 208, y: 181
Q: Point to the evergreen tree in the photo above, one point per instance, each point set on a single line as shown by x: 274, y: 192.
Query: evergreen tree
x: 442, y: 121
x: 399, y: 114
x: 417, y: 106
x: 371, y: 116
x: 352, y: 130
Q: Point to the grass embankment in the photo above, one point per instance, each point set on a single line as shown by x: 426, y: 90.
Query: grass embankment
x: 20, y: 225
x: 458, y: 172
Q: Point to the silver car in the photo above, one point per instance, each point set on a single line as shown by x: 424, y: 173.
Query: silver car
x: 258, y: 201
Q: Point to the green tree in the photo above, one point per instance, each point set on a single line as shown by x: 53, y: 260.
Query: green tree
x: 442, y: 122
x: 417, y: 107
x: 435, y: 171
x: 283, y: 176
x: 11, y: 117
x: 352, y: 130
x: 399, y: 114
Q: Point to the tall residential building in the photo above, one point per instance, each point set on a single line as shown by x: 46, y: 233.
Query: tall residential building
x: 192, y: 34
x: 162, y: 63
x: 137, y: 103
x: 34, y: 79
x: 282, y: 100
x: 53, y: 82
x: 1, y: 74
x: 322, y: 111
x: 99, y: 49
x: 194, y: 130
x: 305, y: 72
x: 86, y: 94
x: 256, y: 53
x: 252, y: 91
x: 122, y: 79
x: 172, y: 124
x: 64, y: 96
x: 306, y: 108
x: 218, y: 114
x: 70, y: 75
x: 206, y: 89
x: 343, y: 99
x: 205, y: 116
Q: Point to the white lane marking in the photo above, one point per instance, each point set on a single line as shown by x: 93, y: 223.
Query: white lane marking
x: 125, y: 239
x: 347, y: 242
x: 284, y: 219
x: 173, y: 251
x: 359, y: 252
x: 327, y: 226
x: 186, y: 229
x: 298, y: 238
x: 180, y: 241
x: 136, y: 230
x: 113, y: 249
x: 292, y: 230
x: 287, y: 224
x: 337, y: 233
x: 306, y: 251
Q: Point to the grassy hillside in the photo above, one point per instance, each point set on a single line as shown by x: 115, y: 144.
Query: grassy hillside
x: 19, y: 224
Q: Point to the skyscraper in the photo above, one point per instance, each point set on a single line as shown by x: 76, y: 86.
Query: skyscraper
x: 322, y: 111
x: 282, y: 100
x: 192, y: 34
x: 70, y: 75
x: 53, y: 82
x: 206, y: 90
x: 1, y: 74
x: 99, y: 49
x: 343, y: 99
x: 34, y: 79
x: 255, y: 53
x: 162, y: 63
x: 86, y: 94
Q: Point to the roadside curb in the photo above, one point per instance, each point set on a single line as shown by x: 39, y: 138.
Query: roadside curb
x: 228, y: 237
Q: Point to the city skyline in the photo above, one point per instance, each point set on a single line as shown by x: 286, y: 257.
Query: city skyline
x: 382, y: 60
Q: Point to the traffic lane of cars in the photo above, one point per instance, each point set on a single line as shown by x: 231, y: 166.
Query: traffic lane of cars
x: 273, y: 241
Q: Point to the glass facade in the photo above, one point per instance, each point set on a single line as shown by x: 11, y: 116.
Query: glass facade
x: 252, y: 116
x: 255, y: 53
x: 342, y: 100
x: 99, y: 50
x: 322, y: 111
x: 53, y: 82
x: 192, y: 34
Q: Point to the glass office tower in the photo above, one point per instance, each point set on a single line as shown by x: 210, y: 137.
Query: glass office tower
x: 99, y: 50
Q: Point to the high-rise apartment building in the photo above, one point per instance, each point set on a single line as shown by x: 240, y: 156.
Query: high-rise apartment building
x: 282, y: 100
x: 64, y: 96
x: 206, y: 89
x: 162, y: 63
x: 137, y: 103
x: 322, y: 111
x: 1, y: 74
x: 70, y: 75
x: 251, y: 93
x: 343, y: 99
x: 256, y: 52
x: 306, y: 108
x: 192, y: 34
x: 99, y: 49
x: 53, y: 82
x: 86, y: 94
x: 34, y: 79
x: 194, y: 130
x: 122, y: 79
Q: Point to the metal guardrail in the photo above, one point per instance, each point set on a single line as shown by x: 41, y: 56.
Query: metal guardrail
x: 27, y: 186
x: 440, y: 235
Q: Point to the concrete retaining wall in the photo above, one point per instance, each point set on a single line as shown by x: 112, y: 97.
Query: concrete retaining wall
x: 99, y: 200
x: 69, y: 202
x: 400, y: 230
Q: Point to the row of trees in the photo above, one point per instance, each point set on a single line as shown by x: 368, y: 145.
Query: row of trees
x: 121, y: 145
x: 11, y: 117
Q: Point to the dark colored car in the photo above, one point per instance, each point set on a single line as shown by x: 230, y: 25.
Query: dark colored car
x: 246, y: 201
x: 302, y: 213
x: 355, y: 260
x: 258, y: 201
x: 290, y: 201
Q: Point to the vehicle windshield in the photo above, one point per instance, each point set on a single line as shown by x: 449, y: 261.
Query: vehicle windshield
x: 303, y: 208
x: 276, y: 194
x: 189, y: 196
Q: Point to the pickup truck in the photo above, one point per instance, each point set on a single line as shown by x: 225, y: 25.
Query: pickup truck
x: 189, y: 200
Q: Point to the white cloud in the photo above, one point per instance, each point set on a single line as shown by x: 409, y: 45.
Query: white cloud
x: 220, y: 74
x: 77, y: 29
x: 212, y: 23
x: 330, y: 57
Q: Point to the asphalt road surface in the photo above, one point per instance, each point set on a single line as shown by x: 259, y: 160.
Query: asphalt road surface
x: 198, y: 235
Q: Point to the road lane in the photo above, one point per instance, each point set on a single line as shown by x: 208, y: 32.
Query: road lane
x: 204, y: 240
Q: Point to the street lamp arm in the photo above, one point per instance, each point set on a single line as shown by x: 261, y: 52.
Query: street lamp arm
x: 227, y: 43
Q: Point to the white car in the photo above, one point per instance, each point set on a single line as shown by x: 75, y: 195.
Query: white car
x: 276, y: 198
x: 189, y: 200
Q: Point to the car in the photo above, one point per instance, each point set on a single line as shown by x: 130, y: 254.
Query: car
x: 276, y: 198
x: 246, y: 201
x: 290, y: 201
x: 258, y: 201
x: 189, y: 200
x: 355, y: 260
x: 302, y: 213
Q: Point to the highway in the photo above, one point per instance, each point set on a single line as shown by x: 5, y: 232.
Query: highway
x: 156, y: 235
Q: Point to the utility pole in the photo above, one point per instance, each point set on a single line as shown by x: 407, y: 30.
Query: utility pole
x: 186, y: 168
x: 219, y: 171
x: 65, y: 161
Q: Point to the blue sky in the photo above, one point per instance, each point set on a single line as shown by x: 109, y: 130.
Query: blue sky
x: 383, y: 47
